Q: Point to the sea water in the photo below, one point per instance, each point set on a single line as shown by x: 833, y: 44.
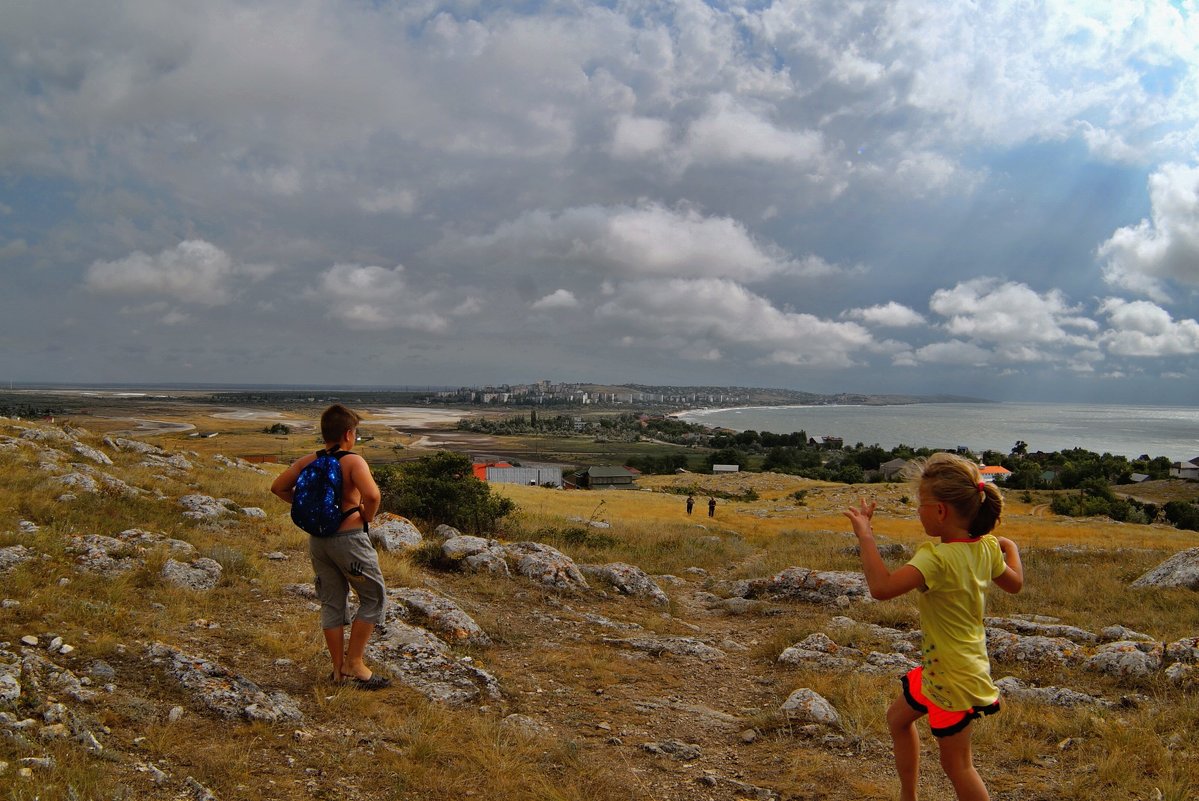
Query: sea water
x: 1170, y: 431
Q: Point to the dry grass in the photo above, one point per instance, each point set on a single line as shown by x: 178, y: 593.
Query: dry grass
x: 600, y: 702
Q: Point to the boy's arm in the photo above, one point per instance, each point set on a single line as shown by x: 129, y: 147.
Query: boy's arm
x: 882, y: 582
x: 1012, y: 578
x: 369, y: 496
x: 285, y: 485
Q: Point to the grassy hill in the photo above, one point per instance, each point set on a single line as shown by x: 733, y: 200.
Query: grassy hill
x: 585, y: 705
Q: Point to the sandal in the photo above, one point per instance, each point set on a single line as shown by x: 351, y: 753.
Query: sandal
x: 375, y: 682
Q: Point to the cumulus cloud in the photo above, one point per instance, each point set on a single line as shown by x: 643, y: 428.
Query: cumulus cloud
x: 955, y: 352
x: 369, y: 297
x: 194, y: 271
x: 559, y: 299
x: 890, y: 314
x: 731, y: 132
x: 1011, y: 313
x: 510, y: 150
x: 637, y: 137
x: 713, y: 314
x: 648, y: 239
x: 1145, y: 257
x: 1141, y: 328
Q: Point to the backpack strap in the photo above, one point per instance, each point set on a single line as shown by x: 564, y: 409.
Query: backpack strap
x: 337, y: 454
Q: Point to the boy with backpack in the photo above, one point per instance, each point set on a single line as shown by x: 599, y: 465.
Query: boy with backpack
x: 334, y: 497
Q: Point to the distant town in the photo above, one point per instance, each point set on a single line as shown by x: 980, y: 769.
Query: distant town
x: 549, y: 393
x: 560, y: 395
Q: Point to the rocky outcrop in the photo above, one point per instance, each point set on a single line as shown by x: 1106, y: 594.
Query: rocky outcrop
x: 96, y: 553
x: 1180, y: 570
x: 238, y: 463
x: 1047, y: 627
x: 445, y: 532
x: 201, y: 574
x: 475, y: 554
x: 433, y: 672
x: 1007, y: 647
x: 441, y: 614
x: 222, y: 691
x: 627, y: 580
x: 545, y: 565
x: 14, y: 555
x: 678, y: 646
x: 204, y: 507
x: 1127, y: 659
x: 88, y: 452
x: 837, y: 587
x: 818, y: 651
x: 1013, y: 688
x: 133, y: 446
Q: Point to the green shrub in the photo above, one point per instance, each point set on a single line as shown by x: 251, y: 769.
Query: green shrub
x: 442, y: 488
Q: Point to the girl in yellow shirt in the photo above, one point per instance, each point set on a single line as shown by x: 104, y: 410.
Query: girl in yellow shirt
x: 953, y: 683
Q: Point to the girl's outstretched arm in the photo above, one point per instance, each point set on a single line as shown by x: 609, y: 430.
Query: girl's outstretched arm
x: 1012, y: 578
x: 882, y: 582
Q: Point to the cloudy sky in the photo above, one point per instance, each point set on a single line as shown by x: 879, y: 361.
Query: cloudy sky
x: 994, y: 199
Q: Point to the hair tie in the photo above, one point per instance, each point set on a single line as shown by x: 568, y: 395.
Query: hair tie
x: 982, y: 486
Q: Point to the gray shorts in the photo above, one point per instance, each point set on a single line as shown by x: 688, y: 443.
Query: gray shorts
x: 346, y: 561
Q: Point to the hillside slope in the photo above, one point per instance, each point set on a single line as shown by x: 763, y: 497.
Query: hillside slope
x: 160, y: 641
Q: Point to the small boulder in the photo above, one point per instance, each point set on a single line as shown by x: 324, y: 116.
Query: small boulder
x: 87, y: 452
x: 545, y: 565
x: 202, y: 574
x: 393, y: 533
x: 627, y: 580
x: 808, y: 706
x: 818, y: 651
x: 1127, y: 659
x: 444, y: 531
x: 14, y: 555
x: 201, y: 507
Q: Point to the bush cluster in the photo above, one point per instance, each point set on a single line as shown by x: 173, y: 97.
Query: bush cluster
x: 442, y: 488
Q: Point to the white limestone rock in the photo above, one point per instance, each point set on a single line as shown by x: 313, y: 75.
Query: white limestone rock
x: 394, y: 533
x: 627, y: 580
x: 808, y: 706
x: 1127, y: 659
x: 1180, y: 570
x: 201, y: 574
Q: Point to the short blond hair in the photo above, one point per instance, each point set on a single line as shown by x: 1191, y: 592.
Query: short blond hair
x: 957, y: 482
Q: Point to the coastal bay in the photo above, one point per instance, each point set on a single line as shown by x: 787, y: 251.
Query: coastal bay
x: 1170, y: 431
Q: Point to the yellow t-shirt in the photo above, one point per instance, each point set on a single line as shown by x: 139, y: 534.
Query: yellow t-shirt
x: 957, y: 672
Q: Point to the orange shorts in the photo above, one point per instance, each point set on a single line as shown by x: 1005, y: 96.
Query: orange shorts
x: 941, y: 721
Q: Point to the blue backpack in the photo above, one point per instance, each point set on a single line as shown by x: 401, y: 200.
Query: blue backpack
x: 316, y: 502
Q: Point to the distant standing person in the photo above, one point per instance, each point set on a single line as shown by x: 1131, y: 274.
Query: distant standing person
x: 690, y: 503
x: 953, y: 684
x: 346, y: 558
x: 711, y: 507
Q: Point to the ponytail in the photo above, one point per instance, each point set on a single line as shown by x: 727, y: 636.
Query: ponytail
x: 955, y: 481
